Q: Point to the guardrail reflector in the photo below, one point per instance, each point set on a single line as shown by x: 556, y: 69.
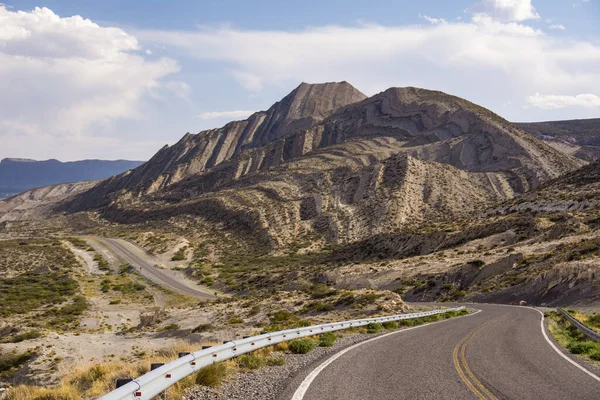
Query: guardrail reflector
x: 168, y: 376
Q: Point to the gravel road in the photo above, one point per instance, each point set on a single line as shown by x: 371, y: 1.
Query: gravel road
x: 133, y: 255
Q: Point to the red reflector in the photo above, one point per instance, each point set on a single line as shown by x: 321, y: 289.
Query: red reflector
x: 193, y: 363
x: 234, y: 349
x: 138, y: 394
x: 214, y: 355
x: 168, y: 376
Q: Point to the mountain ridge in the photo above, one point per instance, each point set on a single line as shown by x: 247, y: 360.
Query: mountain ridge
x: 18, y: 175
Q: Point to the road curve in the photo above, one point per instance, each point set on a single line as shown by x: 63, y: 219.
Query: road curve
x: 498, y: 353
x: 148, y: 270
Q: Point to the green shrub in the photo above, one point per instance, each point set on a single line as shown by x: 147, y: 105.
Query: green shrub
x: 594, y: 321
x: 327, y: 339
x: 579, y: 347
x: 249, y: 362
x: 374, y: 327
x: 281, y: 316
x: 320, y: 290
x: 126, y: 269
x: 301, y: 346
x: 595, y: 354
x: 179, y: 255
x: 390, y: 325
x: 212, y: 375
x: 273, y: 362
x: 235, y: 320
x: 26, y: 292
x: 208, y: 281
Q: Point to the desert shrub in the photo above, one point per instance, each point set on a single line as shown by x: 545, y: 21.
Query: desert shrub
x: 126, y: 269
x: 301, y: 346
x: 477, y: 263
x: 26, y: 292
x: 273, y: 362
x: 249, y: 362
x: 320, y: 290
x: 20, y: 337
x: 327, y: 339
x: 203, y: 328
x: 212, y: 375
x: 180, y: 254
x: 254, y: 310
x: 13, y: 361
x: 65, y: 316
x: 170, y: 327
x: 390, y: 325
x: 374, y: 327
x: 281, y: 316
x: 235, y: 320
x: 102, y: 263
x: 317, y: 306
x: 208, y: 281
x: 128, y: 287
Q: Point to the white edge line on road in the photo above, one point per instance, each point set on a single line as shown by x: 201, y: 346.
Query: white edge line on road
x: 596, y: 377
x: 303, y: 388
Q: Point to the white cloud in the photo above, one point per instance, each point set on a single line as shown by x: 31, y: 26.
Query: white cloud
x: 234, y: 114
x: 178, y: 88
x: 66, y: 78
x: 507, y: 59
x: 507, y: 10
x: 553, y: 102
x: 149, y: 52
x: 433, y: 21
x: 560, y: 27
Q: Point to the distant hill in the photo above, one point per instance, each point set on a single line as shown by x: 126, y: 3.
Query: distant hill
x: 18, y: 175
x: 577, y: 137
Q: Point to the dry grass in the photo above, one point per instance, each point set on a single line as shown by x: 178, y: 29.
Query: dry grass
x: 92, y: 380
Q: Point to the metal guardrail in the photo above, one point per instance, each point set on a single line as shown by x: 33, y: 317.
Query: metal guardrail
x: 157, y: 381
x: 592, y: 334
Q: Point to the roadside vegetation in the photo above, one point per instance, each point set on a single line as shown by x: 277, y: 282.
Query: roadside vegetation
x: 570, y: 338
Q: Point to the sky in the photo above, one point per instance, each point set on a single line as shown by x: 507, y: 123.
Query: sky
x: 118, y: 79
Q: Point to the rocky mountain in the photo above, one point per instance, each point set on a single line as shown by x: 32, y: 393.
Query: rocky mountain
x: 196, y: 154
x: 327, y: 161
x: 19, y: 175
x: 40, y: 202
x: 578, y: 137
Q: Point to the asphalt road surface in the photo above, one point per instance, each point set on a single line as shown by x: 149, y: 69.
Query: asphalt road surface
x: 147, y: 269
x: 498, y: 353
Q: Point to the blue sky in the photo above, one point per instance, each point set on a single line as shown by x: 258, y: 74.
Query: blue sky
x: 119, y: 79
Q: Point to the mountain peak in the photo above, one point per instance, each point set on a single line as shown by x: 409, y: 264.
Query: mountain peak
x: 316, y: 101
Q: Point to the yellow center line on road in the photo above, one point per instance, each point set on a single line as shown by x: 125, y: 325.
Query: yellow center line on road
x: 461, y: 363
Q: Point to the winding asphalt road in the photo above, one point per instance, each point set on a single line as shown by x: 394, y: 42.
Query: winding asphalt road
x: 497, y: 353
x: 147, y: 269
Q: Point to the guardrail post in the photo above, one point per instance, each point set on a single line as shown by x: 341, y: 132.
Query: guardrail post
x: 122, y: 382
